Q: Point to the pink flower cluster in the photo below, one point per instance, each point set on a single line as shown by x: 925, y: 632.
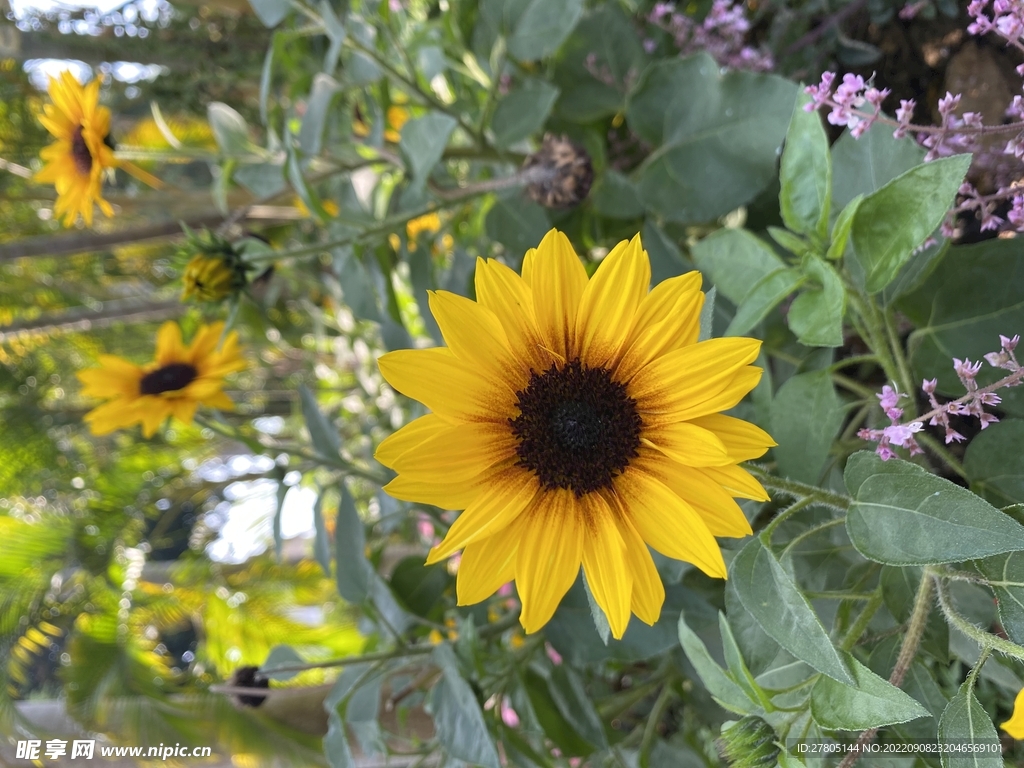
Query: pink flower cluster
x: 722, y: 34
x: 847, y: 101
x: 1007, y: 21
x: 901, y: 435
x: 970, y: 405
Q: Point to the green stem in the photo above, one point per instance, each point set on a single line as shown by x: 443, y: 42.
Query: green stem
x: 859, y: 627
x: 985, y: 639
x: 972, y: 676
x: 942, y: 452
x: 651, y: 728
x: 869, y: 323
x: 797, y: 490
x: 896, y: 347
x: 808, y: 533
x: 785, y: 515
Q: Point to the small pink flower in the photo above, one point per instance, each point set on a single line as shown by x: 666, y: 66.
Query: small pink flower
x: 508, y: 715
x: 554, y: 655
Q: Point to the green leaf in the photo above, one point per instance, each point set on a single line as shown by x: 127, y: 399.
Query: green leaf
x: 543, y: 27
x: 229, y: 129
x: 841, y: 230
x: 816, y: 315
x: 321, y: 542
x: 420, y: 586
x: 318, y: 106
x: 555, y: 726
x: 353, y: 575
x: 322, y: 434
x: 270, y: 12
x: 282, y: 491
x: 722, y: 687
x: 736, y: 261
x: 964, y: 721
x: 615, y: 196
x: 974, y: 294
x: 870, y: 703
x: 517, y: 224
x: 759, y: 650
x: 806, y: 173
x: 457, y: 716
x: 767, y: 293
x: 717, y: 136
x: 899, y: 589
x: 795, y: 244
x: 571, y: 698
x: 423, y: 142
x: 336, y: 747
x: 281, y: 656
x: 523, y: 111
x: 1006, y: 578
x: 598, y: 614
x: 806, y: 415
x: 666, y: 260
x: 891, y: 222
x: 738, y: 670
x: 707, y: 314
x: 908, y: 516
x: 861, y: 166
x: 769, y: 594
x: 994, y: 463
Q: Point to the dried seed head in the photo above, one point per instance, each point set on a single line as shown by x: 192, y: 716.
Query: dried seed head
x: 560, y: 173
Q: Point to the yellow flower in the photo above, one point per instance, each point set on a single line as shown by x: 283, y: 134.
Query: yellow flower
x: 1015, y: 725
x: 576, y: 421
x: 330, y: 208
x: 435, y: 637
x: 396, y: 117
x: 76, y: 161
x: 208, y: 278
x: 174, y: 384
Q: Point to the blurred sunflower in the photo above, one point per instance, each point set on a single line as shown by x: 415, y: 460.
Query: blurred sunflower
x: 576, y: 421
x: 76, y: 161
x: 208, y: 278
x: 174, y: 384
x: 1015, y: 725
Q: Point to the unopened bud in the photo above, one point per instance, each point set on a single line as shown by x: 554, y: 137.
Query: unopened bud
x: 749, y: 743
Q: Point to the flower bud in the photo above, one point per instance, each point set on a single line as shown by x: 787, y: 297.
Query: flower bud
x: 749, y: 743
x: 560, y: 173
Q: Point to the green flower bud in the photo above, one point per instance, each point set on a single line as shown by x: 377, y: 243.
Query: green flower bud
x: 749, y: 743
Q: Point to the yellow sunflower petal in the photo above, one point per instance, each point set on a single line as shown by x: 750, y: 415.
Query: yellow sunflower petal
x: 558, y: 281
x: 169, y: 348
x: 1015, y: 725
x: 725, y: 398
x: 185, y: 410
x: 668, y: 523
x: 648, y: 592
x: 440, y: 492
x: 111, y: 416
x: 446, y: 386
x: 736, y: 481
x: 604, y: 563
x: 504, y: 497
x: 409, y: 436
x: 610, y: 300
x: 688, y: 444
x: 529, y: 259
x: 461, y: 452
x: 487, y: 565
x: 680, y: 329
x: 508, y: 296
x: 550, y: 552
x: 743, y: 440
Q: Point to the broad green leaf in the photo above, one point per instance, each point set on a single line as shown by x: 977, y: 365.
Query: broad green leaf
x: 769, y: 594
x: 738, y: 667
x: 270, y: 12
x: 281, y: 656
x: 805, y: 417
x: 1005, y: 574
x: 423, y: 142
x: 816, y: 315
x: 974, y: 294
x: 523, y: 111
x: 262, y: 179
x: 759, y: 650
x: 870, y: 702
x: 766, y: 294
x: 918, y: 268
x: 616, y: 197
x: 543, y: 27
x: 795, y: 244
x: 318, y: 106
x: 965, y: 722
x: 994, y: 463
x: 717, y: 136
x: 359, y: 68
x: 718, y: 683
x: 863, y: 464
x: 457, y: 716
x: 229, y: 128
x: 841, y: 230
x: 611, y: 37
x: 806, y: 173
x: 908, y: 516
x: 336, y: 747
x: 420, y: 586
x: 517, y: 224
x: 353, y: 574
x: 892, y: 222
x: 571, y: 698
x: 555, y: 726
x: 736, y: 261
x: 861, y: 166
x: 322, y: 434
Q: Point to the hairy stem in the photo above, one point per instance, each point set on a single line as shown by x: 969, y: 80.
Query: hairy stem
x: 796, y: 490
x: 978, y: 635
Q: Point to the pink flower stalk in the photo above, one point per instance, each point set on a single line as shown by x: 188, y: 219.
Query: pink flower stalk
x: 901, y: 435
x: 722, y: 34
x: 555, y: 656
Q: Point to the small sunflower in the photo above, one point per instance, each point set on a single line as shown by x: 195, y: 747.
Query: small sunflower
x: 207, y: 278
x: 76, y: 161
x: 576, y: 421
x: 174, y: 384
x: 1015, y: 725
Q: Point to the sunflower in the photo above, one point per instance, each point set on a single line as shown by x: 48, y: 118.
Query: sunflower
x: 1015, y: 725
x: 575, y: 422
x: 76, y: 161
x: 208, y: 277
x: 174, y: 384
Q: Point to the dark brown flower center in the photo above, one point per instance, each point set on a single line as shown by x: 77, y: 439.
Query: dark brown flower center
x: 577, y: 428
x: 80, y: 152
x: 169, y: 378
